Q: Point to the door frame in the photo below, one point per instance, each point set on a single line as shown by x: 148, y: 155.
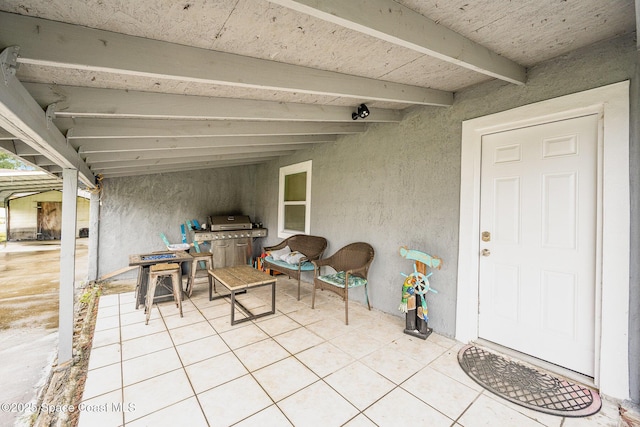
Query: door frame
x: 611, y: 102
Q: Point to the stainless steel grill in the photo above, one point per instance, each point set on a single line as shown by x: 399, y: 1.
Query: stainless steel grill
x: 231, y: 238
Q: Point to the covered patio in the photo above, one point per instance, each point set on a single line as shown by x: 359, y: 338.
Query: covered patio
x: 409, y: 123
x: 299, y: 367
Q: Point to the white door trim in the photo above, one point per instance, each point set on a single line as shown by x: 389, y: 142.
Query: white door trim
x: 612, y: 103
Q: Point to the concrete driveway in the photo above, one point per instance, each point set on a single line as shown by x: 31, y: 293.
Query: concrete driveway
x: 29, y: 283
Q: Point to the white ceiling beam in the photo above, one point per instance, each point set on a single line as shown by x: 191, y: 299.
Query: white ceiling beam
x: 4, y: 135
x: 141, y: 128
x: 150, y: 170
x: 127, y: 164
x: 74, y: 101
x: 57, y: 44
x: 19, y: 148
x: 397, y: 24
x: 21, y: 188
x: 637, y: 23
x: 86, y: 146
x: 97, y: 158
x: 21, y: 115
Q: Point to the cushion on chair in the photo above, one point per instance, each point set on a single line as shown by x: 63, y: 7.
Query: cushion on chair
x: 293, y: 258
x: 306, y: 266
x: 281, y: 253
x: 337, y: 279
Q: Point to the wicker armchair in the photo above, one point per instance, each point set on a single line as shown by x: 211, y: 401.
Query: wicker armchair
x: 311, y: 246
x: 351, y: 264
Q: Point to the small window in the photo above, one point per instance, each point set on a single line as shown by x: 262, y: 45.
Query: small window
x: 294, y: 199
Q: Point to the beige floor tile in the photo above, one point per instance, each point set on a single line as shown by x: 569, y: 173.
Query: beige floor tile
x: 108, y: 311
x: 284, y: 378
x: 106, y: 337
x: 127, y: 304
x: 400, y: 408
x: 356, y: 343
x: 223, y: 323
x: 485, y: 411
x: 392, y: 364
x: 445, y: 394
x: 448, y: 364
x: 150, y: 365
x: 442, y: 341
x: 212, y: 372
x: 137, y: 316
x: 330, y: 328
x: 386, y: 332
x: 198, y: 350
x: 216, y: 311
x: 298, y: 340
x: 146, y: 344
x: 102, y: 411
x: 192, y: 332
x: 137, y: 330
x: 156, y: 393
x: 222, y: 407
x: 607, y: 417
x: 288, y: 304
x: 544, y: 419
x: 184, y: 413
x: 174, y: 320
x: 277, y: 325
x: 360, y: 420
x: 108, y: 301
x: 424, y: 350
x: 305, y: 316
x: 359, y: 384
x: 260, y: 354
x: 324, y: 359
x: 270, y: 417
x: 241, y: 337
x: 102, y: 380
x: 317, y: 405
x: 105, y: 355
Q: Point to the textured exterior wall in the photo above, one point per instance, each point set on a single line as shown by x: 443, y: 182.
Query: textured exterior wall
x: 634, y: 297
x: 136, y: 209
x: 393, y: 185
x: 399, y: 184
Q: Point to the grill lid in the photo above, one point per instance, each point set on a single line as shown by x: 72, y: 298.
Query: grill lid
x: 229, y: 222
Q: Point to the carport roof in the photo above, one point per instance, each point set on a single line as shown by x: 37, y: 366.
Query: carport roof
x: 24, y: 181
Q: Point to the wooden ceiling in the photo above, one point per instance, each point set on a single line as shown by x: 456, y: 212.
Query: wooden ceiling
x: 121, y: 88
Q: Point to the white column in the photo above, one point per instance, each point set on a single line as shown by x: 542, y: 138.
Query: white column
x: 67, y: 264
x: 94, y: 233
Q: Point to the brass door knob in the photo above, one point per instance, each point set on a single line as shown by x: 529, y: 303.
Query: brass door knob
x: 485, y: 252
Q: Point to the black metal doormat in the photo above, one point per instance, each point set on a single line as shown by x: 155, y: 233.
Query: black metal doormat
x: 526, y: 386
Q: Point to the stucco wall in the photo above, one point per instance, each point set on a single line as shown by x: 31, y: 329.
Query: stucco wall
x: 399, y: 184
x: 393, y: 185
x: 136, y: 209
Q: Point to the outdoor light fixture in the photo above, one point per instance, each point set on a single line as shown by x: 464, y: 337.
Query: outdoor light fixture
x: 362, y: 112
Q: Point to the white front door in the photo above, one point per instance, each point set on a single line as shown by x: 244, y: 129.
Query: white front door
x: 538, y: 241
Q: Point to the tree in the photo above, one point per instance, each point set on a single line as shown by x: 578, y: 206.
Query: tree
x: 7, y: 161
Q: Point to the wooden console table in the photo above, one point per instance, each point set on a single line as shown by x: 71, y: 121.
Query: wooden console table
x: 240, y: 278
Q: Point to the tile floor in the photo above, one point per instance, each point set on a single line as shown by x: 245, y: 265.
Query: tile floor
x: 299, y: 367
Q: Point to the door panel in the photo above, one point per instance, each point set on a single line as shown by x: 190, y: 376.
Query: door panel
x: 537, y: 275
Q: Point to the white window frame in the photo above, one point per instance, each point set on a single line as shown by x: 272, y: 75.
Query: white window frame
x: 291, y: 170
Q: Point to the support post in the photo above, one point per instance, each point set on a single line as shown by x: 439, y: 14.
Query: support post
x: 94, y: 232
x: 67, y: 264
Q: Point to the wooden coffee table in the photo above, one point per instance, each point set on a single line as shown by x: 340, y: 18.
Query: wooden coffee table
x: 241, y: 278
